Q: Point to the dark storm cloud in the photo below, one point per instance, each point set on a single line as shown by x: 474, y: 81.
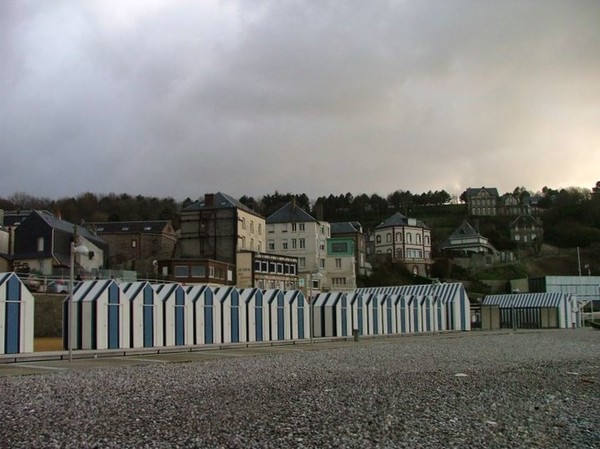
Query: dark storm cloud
x: 180, y: 98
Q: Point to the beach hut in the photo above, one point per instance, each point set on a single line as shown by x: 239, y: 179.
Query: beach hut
x: 233, y: 316
x: 100, y: 316
x: 387, y: 314
x: 357, y: 312
x: 206, y: 315
x: 16, y: 315
x: 333, y: 316
x: 251, y: 300
x: 318, y: 314
x: 177, y: 316
x: 299, y: 314
x: 403, y: 313
x: 536, y: 310
x: 372, y: 311
x: 145, y: 314
x: 278, y: 310
x: 455, y: 303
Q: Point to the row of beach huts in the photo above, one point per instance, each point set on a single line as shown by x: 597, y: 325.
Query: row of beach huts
x: 107, y: 314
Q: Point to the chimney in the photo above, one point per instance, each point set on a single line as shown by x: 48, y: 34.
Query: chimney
x: 209, y: 199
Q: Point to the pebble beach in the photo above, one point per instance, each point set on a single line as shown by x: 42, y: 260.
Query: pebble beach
x: 537, y: 389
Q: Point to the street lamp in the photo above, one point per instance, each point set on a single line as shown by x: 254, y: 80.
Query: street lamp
x: 75, y: 249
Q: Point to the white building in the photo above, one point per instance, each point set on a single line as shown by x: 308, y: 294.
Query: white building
x: 407, y: 240
x: 294, y: 232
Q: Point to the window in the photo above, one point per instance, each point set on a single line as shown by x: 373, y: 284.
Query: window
x: 338, y: 281
x: 284, y: 227
x: 301, y: 262
x: 338, y: 263
x: 378, y: 239
x: 270, y: 228
x: 211, y: 272
x: 272, y: 267
x: 418, y: 238
x: 260, y: 228
x: 251, y: 226
x: 322, y: 263
x: 339, y: 247
x: 264, y: 267
x: 182, y: 271
x: 40, y: 244
x: 243, y: 242
x: 292, y: 269
x: 284, y: 245
x: 399, y: 237
x: 271, y: 246
x: 279, y: 268
x: 301, y: 227
x: 257, y: 266
x: 409, y: 238
x: 134, y: 243
x: 252, y: 244
x: 322, y: 229
x: 198, y: 271
x: 294, y: 243
x: 243, y: 223
x: 294, y: 227
x: 322, y: 246
x: 302, y: 243
x: 388, y: 238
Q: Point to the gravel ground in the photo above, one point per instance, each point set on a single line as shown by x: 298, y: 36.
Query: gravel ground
x: 534, y: 389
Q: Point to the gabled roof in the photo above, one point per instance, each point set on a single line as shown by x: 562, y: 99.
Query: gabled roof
x: 62, y: 225
x: 398, y: 220
x: 491, y: 190
x: 129, y: 227
x: 220, y: 201
x: 345, y: 227
x: 290, y: 213
x: 526, y: 219
x: 464, y: 230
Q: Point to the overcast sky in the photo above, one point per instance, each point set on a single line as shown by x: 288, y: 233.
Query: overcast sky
x: 179, y: 98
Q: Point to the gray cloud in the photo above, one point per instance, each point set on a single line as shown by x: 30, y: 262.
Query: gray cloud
x: 179, y: 98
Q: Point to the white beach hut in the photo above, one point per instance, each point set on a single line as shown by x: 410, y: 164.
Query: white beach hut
x: 145, y: 314
x: 16, y: 315
x: 299, y: 314
x: 176, y: 315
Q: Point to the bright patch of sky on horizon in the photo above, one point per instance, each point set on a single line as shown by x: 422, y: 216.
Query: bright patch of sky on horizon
x: 180, y: 98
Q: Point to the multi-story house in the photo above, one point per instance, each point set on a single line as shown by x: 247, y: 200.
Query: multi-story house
x: 43, y: 244
x: 527, y: 230
x: 354, y: 230
x: 405, y: 239
x: 293, y: 231
x: 486, y: 202
x: 483, y: 201
x: 136, y: 245
x: 340, y: 264
x: 217, y: 227
x: 466, y: 240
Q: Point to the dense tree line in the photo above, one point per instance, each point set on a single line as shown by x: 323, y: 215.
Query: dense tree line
x: 571, y: 216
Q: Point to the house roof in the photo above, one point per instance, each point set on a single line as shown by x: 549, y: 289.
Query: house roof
x: 399, y: 220
x: 465, y: 230
x: 220, y: 200
x: 57, y: 223
x: 14, y: 218
x: 474, y: 191
x: 290, y: 213
x: 526, y: 219
x: 345, y: 227
x: 129, y: 227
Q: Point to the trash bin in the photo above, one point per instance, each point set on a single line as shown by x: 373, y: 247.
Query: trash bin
x: 355, y: 334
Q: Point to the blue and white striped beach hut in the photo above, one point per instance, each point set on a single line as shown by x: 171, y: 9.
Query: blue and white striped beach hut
x: 100, y: 316
x: 536, y: 310
x: 206, y: 314
x: 177, y: 316
x: 454, y: 300
x: 233, y: 315
x: 358, y: 312
x: 252, y: 302
x: 145, y: 314
x: 16, y: 315
x: 387, y: 313
x: 299, y: 314
x: 373, y: 316
x: 279, y: 312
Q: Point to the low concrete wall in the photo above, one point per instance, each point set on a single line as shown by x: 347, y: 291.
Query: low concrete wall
x: 47, y: 315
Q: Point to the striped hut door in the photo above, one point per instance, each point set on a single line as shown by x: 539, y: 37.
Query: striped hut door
x: 300, y: 300
x: 280, y: 317
x: 235, y: 317
x: 12, y: 340
x: 179, y: 317
x: 113, y: 316
x: 258, y: 317
x: 148, y: 316
x: 208, y: 317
